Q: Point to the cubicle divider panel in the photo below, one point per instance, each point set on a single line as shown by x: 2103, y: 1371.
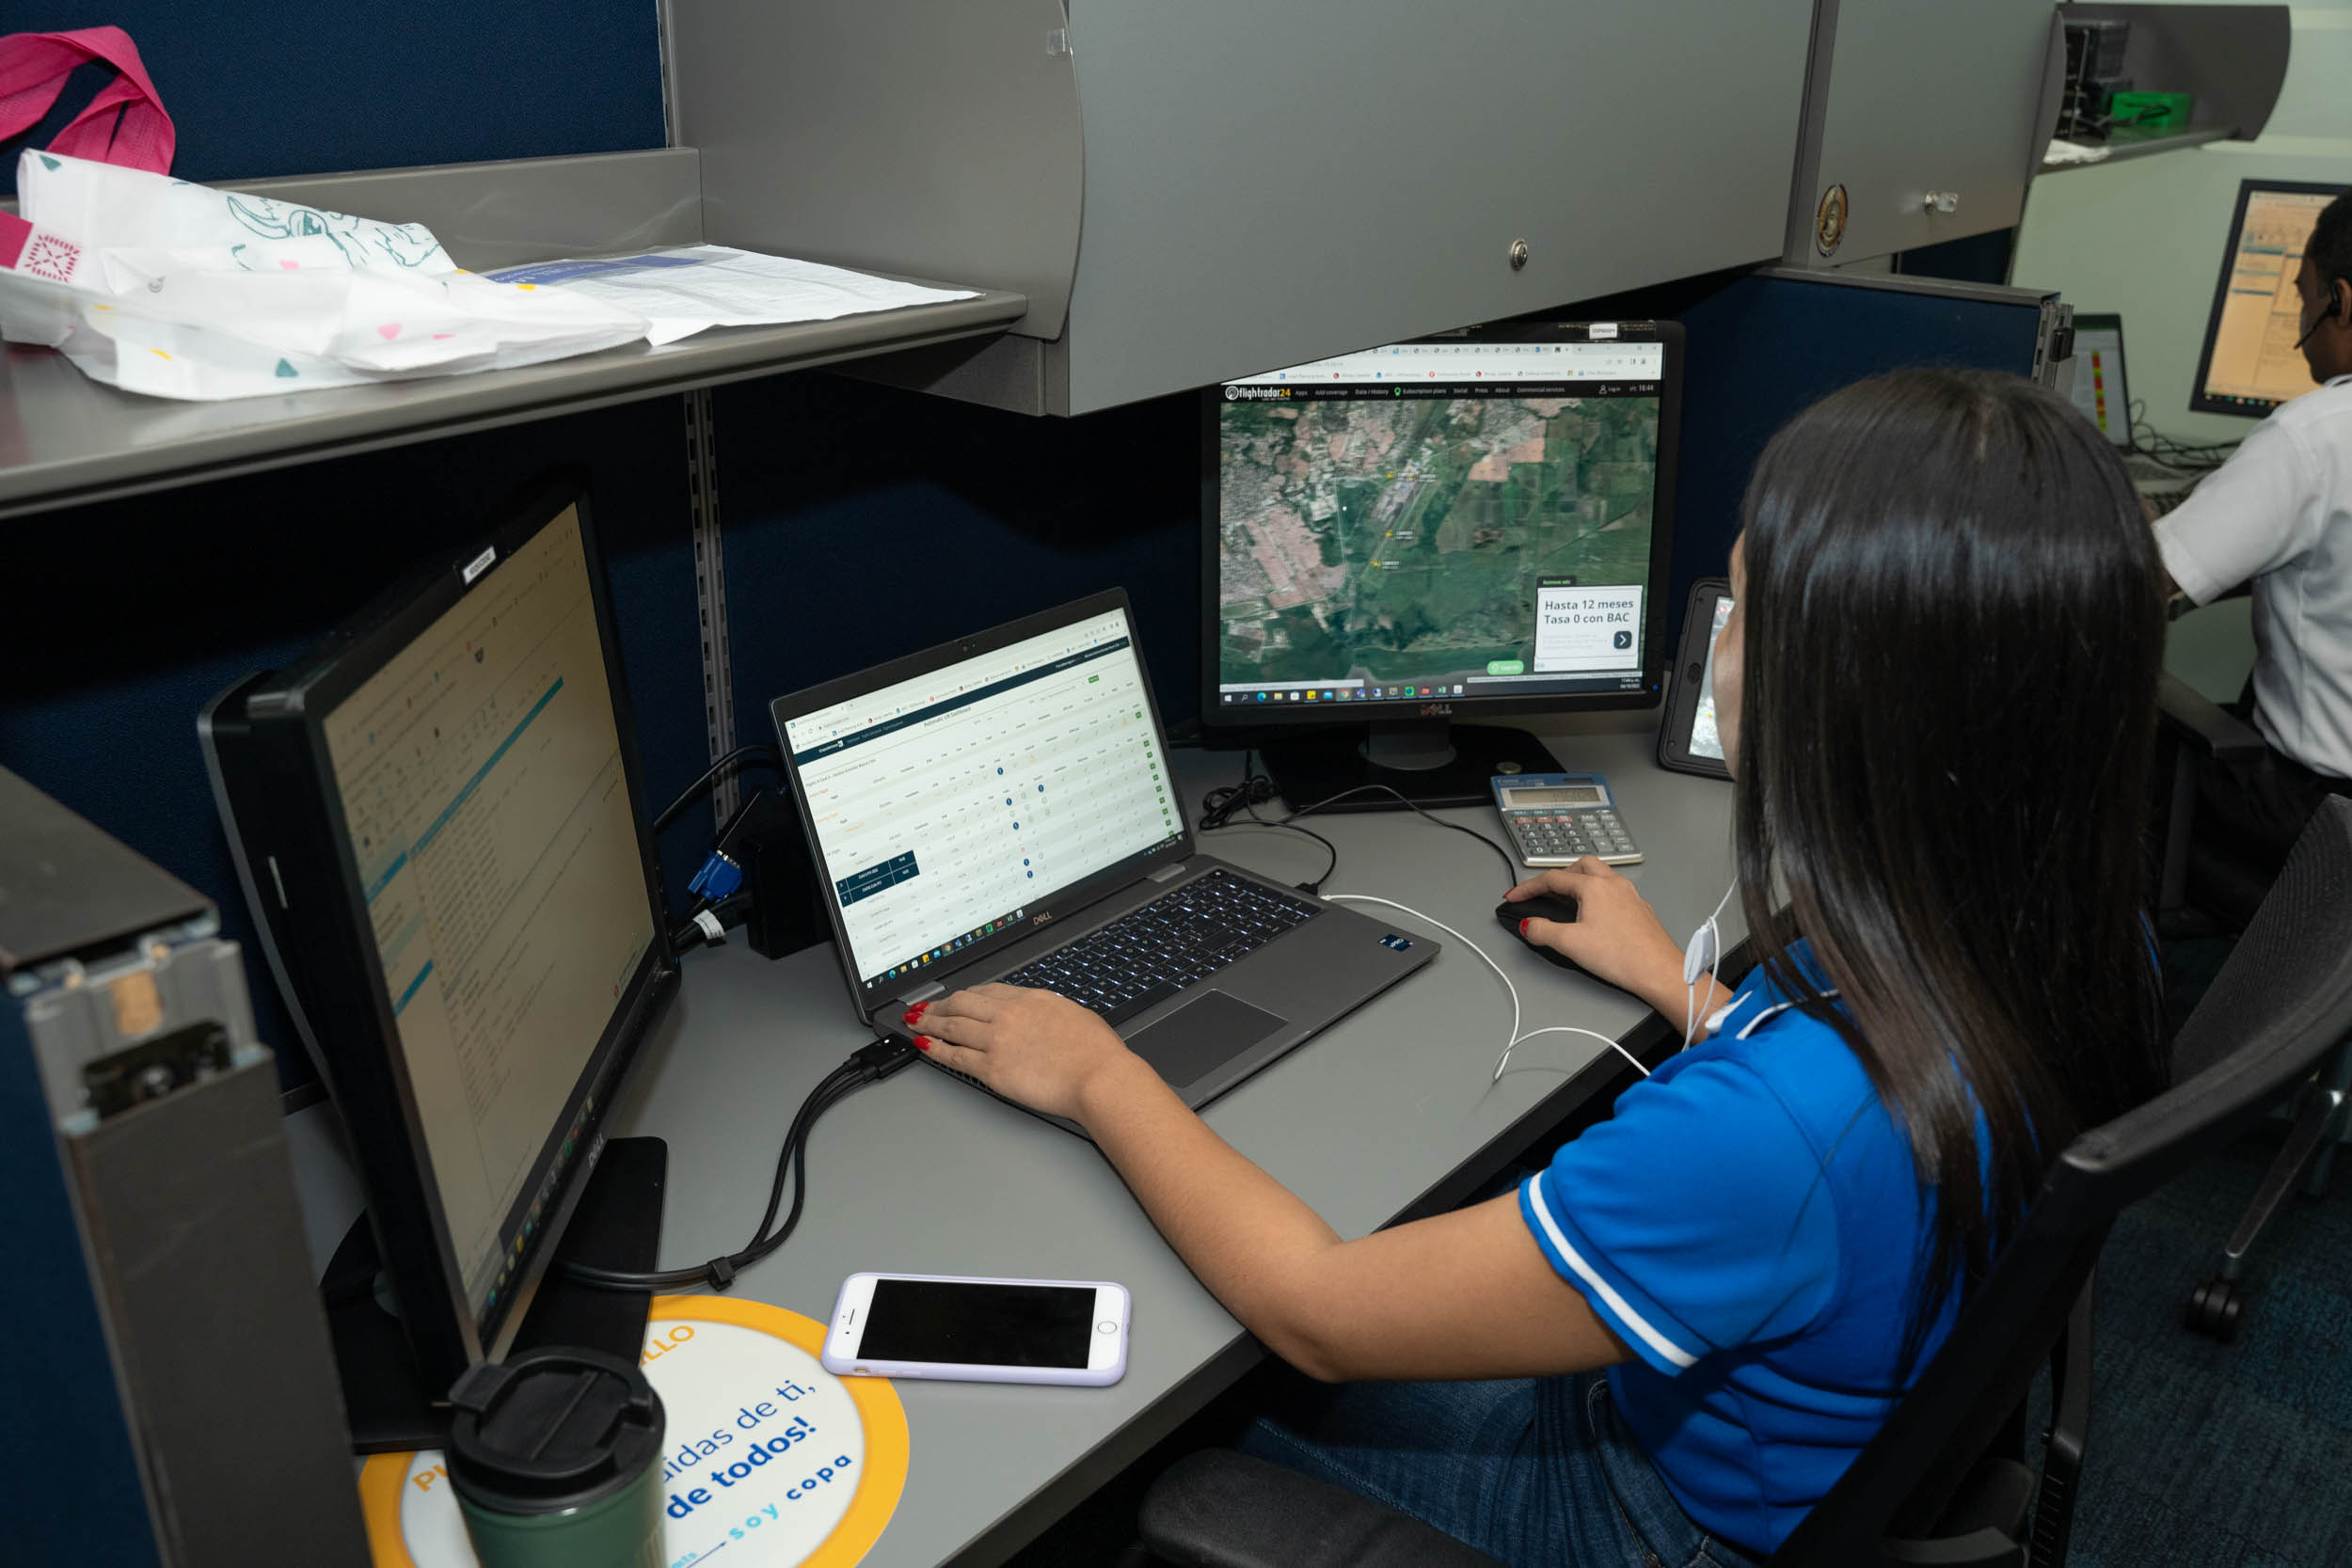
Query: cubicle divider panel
x: 261, y: 90
x: 928, y: 139
x: 1764, y: 346
x: 149, y: 608
x: 864, y: 522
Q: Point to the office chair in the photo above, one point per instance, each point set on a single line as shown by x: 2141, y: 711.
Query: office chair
x: 1945, y: 1480
x: 2201, y: 887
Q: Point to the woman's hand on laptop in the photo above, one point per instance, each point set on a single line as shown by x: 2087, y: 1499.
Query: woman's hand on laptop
x: 1034, y: 1046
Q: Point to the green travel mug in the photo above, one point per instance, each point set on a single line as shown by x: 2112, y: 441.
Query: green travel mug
x: 554, y: 1458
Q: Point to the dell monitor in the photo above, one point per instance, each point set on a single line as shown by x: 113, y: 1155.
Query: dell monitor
x: 2252, y: 361
x: 437, y: 817
x: 1462, y: 527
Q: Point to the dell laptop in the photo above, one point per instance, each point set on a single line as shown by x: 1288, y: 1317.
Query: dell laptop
x: 1000, y: 808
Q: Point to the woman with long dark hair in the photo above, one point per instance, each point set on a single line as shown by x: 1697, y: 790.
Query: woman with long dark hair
x: 1937, y: 696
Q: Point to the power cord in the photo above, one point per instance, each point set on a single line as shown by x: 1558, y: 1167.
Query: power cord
x: 1218, y: 806
x: 758, y: 752
x: 869, y: 1063
x: 1516, y: 1039
x: 2191, y: 456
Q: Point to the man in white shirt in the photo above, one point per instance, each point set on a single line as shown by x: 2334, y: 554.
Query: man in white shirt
x: 2278, y: 513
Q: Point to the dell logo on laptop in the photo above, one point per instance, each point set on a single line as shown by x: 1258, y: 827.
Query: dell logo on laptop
x: 1436, y: 711
x: 1040, y: 919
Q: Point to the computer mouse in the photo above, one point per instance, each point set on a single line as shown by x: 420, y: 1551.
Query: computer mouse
x: 1543, y: 906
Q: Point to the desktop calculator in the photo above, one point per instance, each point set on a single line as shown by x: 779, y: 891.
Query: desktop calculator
x: 1559, y: 818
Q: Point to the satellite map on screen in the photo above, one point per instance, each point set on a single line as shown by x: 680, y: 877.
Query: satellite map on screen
x: 1410, y: 538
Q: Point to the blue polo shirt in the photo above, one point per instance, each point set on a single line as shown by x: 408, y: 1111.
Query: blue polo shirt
x: 1747, y: 1223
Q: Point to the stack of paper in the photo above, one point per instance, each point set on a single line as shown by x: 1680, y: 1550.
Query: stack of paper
x: 685, y: 289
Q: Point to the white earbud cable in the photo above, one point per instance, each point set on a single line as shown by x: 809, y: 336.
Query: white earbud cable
x: 1715, y: 966
x: 1516, y: 1039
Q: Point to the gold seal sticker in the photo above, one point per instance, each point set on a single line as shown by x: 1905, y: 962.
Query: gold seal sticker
x: 764, y: 1452
x: 1829, y: 220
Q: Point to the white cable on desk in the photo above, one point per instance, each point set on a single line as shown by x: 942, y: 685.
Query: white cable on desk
x: 1516, y: 1037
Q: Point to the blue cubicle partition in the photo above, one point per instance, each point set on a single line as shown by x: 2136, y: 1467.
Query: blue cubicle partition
x: 258, y: 89
x: 1764, y: 345
x: 860, y: 522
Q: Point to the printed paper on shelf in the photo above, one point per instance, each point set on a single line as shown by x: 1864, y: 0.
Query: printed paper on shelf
x: 164, y: 287
x: 693, y: 287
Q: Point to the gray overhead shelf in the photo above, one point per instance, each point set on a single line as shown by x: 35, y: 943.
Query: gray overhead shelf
x: 65, y: 439
x: 2120, y: 148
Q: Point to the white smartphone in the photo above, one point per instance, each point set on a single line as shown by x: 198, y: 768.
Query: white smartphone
x: 922, y: 1325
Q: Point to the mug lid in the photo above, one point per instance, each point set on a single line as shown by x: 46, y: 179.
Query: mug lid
x: 552, y: 1429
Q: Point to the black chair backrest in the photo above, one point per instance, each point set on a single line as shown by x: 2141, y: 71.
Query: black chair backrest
x: 2279, y: 1005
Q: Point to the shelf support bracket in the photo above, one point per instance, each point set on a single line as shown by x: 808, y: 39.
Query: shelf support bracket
x: 711, y: 593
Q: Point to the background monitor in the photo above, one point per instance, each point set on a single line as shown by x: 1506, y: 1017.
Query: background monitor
x: 437, y: 818
x: 2101, y: 390
x: 2250, y: 363
x: 1478, y: 523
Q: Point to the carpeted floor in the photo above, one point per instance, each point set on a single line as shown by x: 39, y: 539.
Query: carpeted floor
x: 2204, y: 1455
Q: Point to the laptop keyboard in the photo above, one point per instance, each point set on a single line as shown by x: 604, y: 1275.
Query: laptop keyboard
x: 1182, y: 936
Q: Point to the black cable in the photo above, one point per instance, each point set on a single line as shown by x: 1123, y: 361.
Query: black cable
x: 730, y: 912
x: 2146, y: 441
x: 1218, y: 806
x: 758, y: 750
x: 1510, y: 866
x: 869, y: 1063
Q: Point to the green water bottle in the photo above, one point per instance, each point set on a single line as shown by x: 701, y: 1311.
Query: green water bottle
x: 554, y: 1456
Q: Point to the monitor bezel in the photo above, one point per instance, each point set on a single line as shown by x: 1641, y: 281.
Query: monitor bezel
x: 2108, y: 321
x: 2199, y: 401
x: 362, y: 1060
x: 871, y: 999
x: 1214, y: 712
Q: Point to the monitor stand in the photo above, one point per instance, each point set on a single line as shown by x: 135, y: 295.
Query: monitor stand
x: 616, y: 1225
x: 1430, y: 761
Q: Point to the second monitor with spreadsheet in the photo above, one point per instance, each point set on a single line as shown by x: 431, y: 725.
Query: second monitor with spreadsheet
x: 2101, y: 388
x: 2251, y: 361
x: 439, y: 827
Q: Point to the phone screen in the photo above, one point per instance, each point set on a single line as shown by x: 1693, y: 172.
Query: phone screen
x: 980, y: 1326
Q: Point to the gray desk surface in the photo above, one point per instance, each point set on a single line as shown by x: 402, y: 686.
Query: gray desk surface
x: 1388, y: 1110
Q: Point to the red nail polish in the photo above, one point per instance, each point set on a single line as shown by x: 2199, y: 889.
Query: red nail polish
x: 915, y: 1014
x: 922, y: 1042
x: 1523, y: 926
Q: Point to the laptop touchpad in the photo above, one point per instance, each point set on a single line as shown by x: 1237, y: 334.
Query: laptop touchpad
x: 1201, y: 1036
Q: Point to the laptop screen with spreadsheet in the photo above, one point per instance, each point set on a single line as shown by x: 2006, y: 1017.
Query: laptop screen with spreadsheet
x: 946, y: 807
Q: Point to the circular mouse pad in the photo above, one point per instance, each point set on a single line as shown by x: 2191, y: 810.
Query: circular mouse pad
x: 764, y: 1451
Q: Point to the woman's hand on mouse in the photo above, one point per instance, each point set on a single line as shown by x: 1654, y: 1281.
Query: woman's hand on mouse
x: 1034, y: 1046
x: 1616, y: 936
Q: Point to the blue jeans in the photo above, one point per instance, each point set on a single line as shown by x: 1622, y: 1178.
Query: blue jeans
x: 1540, y: 1473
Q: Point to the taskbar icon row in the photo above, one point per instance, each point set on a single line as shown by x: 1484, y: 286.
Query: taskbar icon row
x: 1341, y: 693
x: 923, y: 961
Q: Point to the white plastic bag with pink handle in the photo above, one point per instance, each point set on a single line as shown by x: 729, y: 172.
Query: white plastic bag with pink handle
x: 163, y: 287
